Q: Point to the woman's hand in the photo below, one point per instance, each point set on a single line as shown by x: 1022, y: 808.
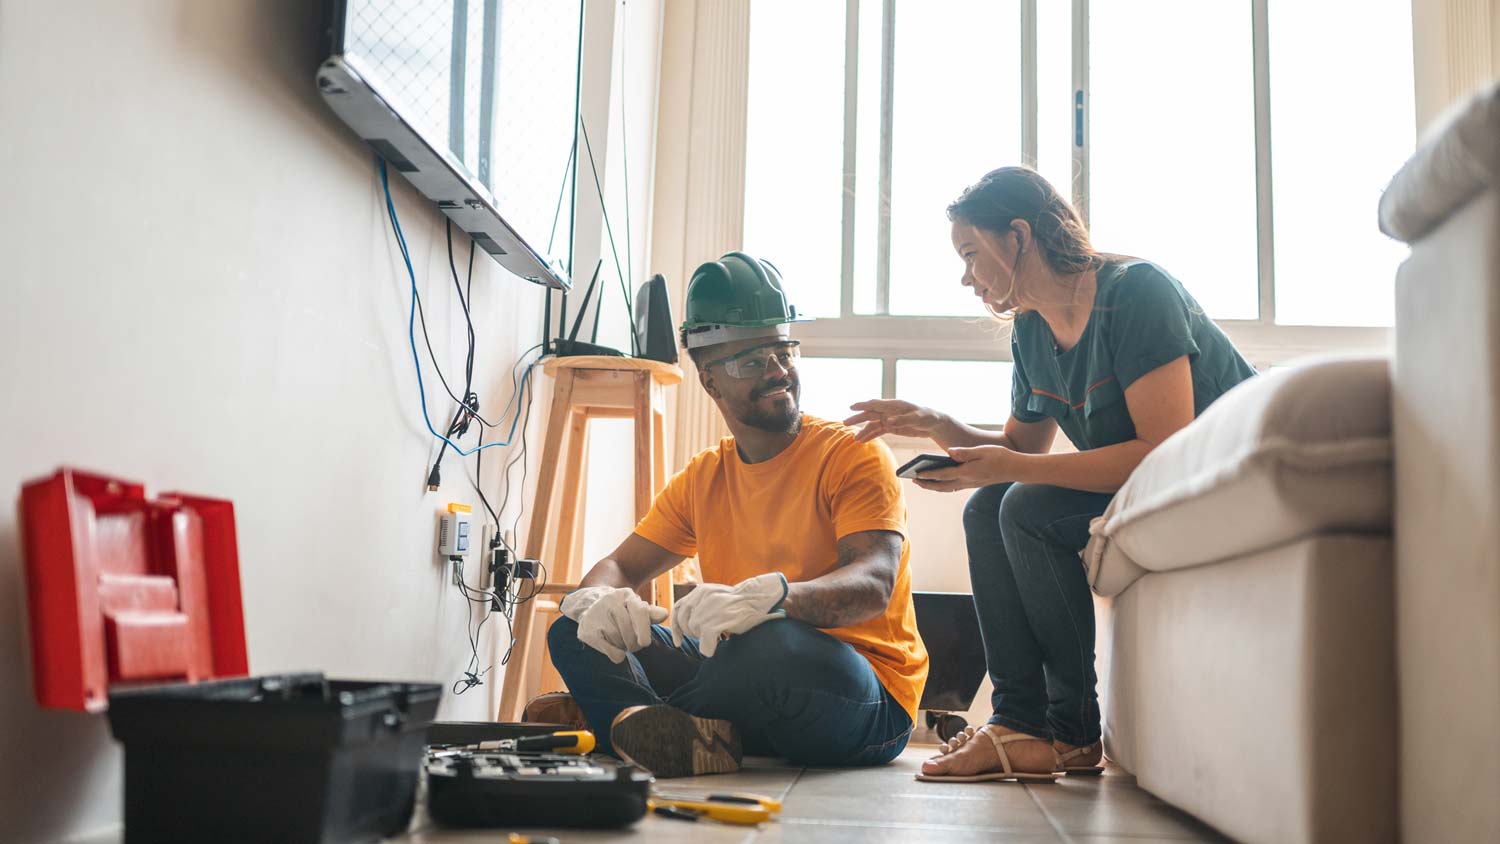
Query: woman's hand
x: 979, y: 466
x: 902, y: 418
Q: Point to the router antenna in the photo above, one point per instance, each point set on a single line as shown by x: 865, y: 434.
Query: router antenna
x: 584, y: 308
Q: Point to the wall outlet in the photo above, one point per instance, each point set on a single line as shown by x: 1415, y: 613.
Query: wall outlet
x: 455, y: 532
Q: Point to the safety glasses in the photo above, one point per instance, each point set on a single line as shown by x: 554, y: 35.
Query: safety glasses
x: 753, y: 363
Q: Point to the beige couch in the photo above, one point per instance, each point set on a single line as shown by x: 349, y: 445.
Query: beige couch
x: 1259, y: 599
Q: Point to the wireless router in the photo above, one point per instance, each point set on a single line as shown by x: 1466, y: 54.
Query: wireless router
x: 571, y: 346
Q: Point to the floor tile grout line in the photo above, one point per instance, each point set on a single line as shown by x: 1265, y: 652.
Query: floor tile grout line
x: 785, y: 794
x: 911, y: 826
x: 1051, y: 821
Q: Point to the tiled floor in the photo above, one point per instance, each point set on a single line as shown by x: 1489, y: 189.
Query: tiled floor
x: 879, y: 805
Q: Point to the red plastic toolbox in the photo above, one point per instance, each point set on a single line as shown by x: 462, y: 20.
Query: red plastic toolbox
x: 126, y: 589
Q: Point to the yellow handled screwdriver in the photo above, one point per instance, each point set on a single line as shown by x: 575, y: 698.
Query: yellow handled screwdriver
x: 571, y: 741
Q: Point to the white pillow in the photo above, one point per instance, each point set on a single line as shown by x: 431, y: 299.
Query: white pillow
x: 1280, y: 457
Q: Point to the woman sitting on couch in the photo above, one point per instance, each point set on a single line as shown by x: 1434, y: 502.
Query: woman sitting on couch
x: 1115, y: 352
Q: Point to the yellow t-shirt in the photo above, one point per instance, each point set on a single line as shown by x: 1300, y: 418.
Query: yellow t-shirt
x: 787, y: 514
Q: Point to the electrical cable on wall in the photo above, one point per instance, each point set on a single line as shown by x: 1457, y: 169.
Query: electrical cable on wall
x: 505, y: 599
x: 468, y: 408
x: 412, y: 331
x: 477, y: 480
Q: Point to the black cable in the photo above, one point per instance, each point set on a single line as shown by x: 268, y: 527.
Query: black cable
x: 562, y: 190
x: 426, y: 338
x: 599, y: 189
x: 469, y: 407
x: 625, y: 171
x: 478, y: 486
x: 463, y: 301
x: 473, y: 676
x: 422, y: 317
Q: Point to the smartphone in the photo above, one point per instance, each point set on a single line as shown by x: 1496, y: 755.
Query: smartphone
x: 924, y: 463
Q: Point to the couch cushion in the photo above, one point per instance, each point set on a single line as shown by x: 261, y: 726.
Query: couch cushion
x: 1280, y: 457
x: 1458, y: 158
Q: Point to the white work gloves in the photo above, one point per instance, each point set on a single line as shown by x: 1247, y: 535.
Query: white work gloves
x: 713, y: 609
x: 612, y: 621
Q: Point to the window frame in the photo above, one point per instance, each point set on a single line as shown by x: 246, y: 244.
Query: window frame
x: 890, y: 338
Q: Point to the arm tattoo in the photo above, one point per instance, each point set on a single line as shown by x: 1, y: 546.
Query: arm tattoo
x: 859, y: 588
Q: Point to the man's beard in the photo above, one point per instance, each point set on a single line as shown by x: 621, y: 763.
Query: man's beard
x: 787, y: 420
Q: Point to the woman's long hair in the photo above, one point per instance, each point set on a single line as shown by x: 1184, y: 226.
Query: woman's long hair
x: 1020, y: 193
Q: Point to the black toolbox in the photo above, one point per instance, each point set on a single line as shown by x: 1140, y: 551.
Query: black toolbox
x: 286, y: 758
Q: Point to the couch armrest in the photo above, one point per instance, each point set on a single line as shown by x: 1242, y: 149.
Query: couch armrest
x: 1280, y: 457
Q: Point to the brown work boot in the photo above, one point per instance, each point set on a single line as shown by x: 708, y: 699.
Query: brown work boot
x: 671, y: 743
x: 555, y: 708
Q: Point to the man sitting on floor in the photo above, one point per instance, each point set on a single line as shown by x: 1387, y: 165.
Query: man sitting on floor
x: 800, y: 533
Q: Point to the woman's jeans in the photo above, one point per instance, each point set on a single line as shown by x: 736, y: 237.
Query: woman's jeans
x: 1036, y: 613
x: 790, y: 689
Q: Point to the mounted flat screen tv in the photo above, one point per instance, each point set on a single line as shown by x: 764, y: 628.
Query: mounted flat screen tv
x: 475, y: 102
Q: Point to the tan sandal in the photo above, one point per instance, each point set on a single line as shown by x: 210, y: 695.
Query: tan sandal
x: 1006, y: 772
x: 1063, y: 758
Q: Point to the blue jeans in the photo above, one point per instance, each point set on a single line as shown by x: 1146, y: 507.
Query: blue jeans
x: 790, y: 689
x: 1036, y: 612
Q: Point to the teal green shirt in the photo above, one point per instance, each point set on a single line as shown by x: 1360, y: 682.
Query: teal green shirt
x: 1142, y: 319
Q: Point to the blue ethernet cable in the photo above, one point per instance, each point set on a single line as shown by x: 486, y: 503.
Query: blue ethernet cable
x: 411, y: 329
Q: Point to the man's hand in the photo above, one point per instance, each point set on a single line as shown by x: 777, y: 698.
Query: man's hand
x: 713, y: 609
x: 979, y: 466
x: 612, y: 621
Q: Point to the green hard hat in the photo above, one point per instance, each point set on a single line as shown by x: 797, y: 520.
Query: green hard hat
x: 734, y: 298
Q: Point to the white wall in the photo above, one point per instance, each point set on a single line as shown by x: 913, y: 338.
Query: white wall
x: 201, y: 293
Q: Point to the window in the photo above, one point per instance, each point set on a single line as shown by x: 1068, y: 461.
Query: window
x: 1333, y: 147
x: 795, y: 146
x: 956, y: 114
x: 1203, y: 136
x: 830, y: 385
x: 1172, y: 144
x: 976, y: 391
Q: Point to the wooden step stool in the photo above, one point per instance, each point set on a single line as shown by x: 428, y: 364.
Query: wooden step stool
x: 588, y: 387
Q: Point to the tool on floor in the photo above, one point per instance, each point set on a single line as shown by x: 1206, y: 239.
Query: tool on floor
x: 746, y: 809
x: 770, y: 804
x: 518, y: 838
x: 568, y: 741
x: 675, y: 813
x: 685, y: 810
x: 578, y: 742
